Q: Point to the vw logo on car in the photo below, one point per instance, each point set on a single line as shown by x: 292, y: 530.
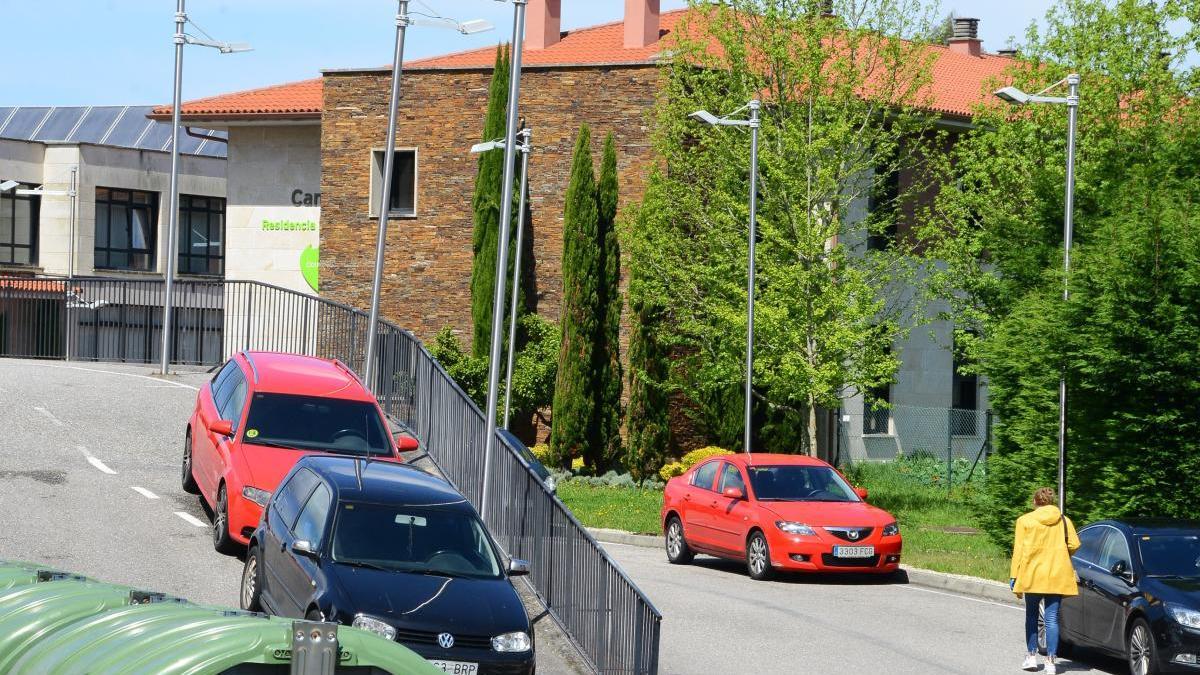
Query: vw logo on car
x: 445, y: 640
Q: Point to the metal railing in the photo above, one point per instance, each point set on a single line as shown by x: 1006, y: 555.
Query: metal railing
x: 613, y: 624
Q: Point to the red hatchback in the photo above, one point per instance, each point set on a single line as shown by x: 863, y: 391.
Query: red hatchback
x: 261, y: 413
x: 777, y: 512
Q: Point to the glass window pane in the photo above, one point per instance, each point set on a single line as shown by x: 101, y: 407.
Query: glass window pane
x: 118, y: 259
x: 140, y: 229
x: 21, y: 256
x: 141, y: 197
x: 6, y: 254
x: 119, y: 195
x: 6, y: 220
x: 403, y: 181
x: 101, y: 225
x: 197, y: 203
x: 140, y: 261
x: 118, y: 230
x: 23, y: 222
x: 102, y: 194
x: 216, y: 266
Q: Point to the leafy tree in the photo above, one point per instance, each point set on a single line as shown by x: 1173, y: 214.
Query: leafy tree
x: 842, y: 119
x: 575, y: 432
x: 648, y: 415
x: 608, y: 337
x: 1126, y: 339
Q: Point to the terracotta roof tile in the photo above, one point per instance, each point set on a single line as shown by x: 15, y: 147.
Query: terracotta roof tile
x: 294, y: 100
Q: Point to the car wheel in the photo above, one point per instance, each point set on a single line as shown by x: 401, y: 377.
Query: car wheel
x: 678, y: 551
x: 1142, y: 657
x: 251, y: 582
x: 758, y: 557
x: 220, y: 527
x: 188, y: 479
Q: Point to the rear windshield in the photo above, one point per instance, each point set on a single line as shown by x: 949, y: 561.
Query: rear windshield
x: 313, y: 423
x: 420, y: 539
x: 1171, y: 555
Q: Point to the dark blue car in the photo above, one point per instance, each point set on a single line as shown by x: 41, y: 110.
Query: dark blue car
x: 394, y: 550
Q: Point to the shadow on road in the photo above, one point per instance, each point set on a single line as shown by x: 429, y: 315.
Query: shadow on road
x: 805, y: 578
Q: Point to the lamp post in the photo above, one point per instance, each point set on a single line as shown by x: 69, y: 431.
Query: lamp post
x: 753, y: 123
x: 181, y: 38
x: 1071, y: 100
x: 510, y: 148
x: 403, y: 21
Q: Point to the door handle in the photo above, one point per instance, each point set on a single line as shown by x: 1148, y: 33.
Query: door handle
x: 714, y: 504
x: 687, y: 498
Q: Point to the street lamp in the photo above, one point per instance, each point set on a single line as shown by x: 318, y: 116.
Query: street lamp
x: 526, y: 138
x: 403, y: 21
x: 1071, y: 100
x: 181, y: 38
x: 712, y: 120
x: 510, y: 149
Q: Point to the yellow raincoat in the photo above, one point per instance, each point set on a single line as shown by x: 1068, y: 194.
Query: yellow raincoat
x: 1041, y: 560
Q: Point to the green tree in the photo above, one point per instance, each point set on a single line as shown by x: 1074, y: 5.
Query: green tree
x: 608, y: 337
x: 827, y: 310
x: 1126, y: 339
x: 574, y: 431
x: 648, y: 415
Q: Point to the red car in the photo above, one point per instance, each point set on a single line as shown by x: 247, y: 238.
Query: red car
x: 261, y: 413
x: 777, y: 512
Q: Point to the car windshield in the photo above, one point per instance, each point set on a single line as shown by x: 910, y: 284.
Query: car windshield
x: 312, y: 423
x: 799, y: 483
x: 428, y: 540
x: 1170, y: 555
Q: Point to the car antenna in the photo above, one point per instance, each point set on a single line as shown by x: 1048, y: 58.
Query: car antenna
x: 358, y: 473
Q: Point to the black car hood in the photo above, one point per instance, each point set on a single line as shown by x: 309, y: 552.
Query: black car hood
x: 430, y: 603
x: 1180, y: 591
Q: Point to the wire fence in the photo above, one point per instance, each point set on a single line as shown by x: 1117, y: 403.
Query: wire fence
x: 612, y: 622
x: 959, y: 439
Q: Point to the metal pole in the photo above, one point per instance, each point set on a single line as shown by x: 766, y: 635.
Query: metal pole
x: 754, y: 124
x: 173, y: 213
x: 71, y: 194
x: 526, y: 135
x: 385, y: 199
x: 510, y: 142
x: 1068, y: 231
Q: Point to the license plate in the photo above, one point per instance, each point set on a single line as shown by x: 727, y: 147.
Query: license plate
x: 853, y: 551
x: 457, y: 667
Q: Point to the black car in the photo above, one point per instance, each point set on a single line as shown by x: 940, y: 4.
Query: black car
x: 397, y: 551
x: 1139, y: 594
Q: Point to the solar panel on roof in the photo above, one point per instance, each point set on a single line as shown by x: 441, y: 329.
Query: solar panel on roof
x: 96, y: 123
x: 24, y: 122
x: 187, y: 144
x: 5, y: 111
x: 121, y: 126
x: 59, y: 124
x: 128, y: 130
x: 158, y: 137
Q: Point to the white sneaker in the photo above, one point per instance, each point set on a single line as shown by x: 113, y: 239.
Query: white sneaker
x: 1030, y: 662
x: 1051, y: 668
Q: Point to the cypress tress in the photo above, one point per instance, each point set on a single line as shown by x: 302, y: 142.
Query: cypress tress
x: 574, y: 432
x: 647, y: 421
x: 486, y: 206
x: 608, y: 335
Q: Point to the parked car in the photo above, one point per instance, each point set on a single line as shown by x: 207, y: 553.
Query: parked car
x: 1139, y: 594
x: 394, y: 550
x: 777, y: 512
x: 530, y: 459
x: 261, y: 412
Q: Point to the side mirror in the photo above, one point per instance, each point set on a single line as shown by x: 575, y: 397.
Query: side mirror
x: 734, y: 493
x: 305, y: 548
x: 405, y: 442
x: 222, y: 427
x: 861, y: 492
x: 1121, y: 569
x: 518, y: 567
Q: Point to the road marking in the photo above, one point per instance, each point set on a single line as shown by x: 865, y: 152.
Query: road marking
x: 189, y: 518
x: 48, y: 414
x: 143, y: 492
x: 113, y: 372
x: 960, y: 597
x: 95, y: 461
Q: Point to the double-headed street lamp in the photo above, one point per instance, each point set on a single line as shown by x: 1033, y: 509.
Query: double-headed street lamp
x: 753, y: 123
x: 1071, y: 100
x: 403, y: 21
x: 180, y: 38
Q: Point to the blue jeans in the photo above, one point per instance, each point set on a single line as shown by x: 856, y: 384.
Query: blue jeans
x: 1053, y: 602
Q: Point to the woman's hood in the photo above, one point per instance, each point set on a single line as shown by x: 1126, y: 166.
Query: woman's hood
x: 1047, y: 515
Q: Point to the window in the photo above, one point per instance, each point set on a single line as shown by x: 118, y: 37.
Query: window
x: 882, y: 206
x: 227, y: 388
x: 703, y: 478
x: 1089, y: 543
x: 201, y: 235
x: 404, y: 183
x: 964, y: 396
x: 731, y: 477
x: 877, y: 416
x: 126, y: 229
x: 294, y: 493
x: 311, y: 524
x: 1114, y: 549
x: 19, y: 227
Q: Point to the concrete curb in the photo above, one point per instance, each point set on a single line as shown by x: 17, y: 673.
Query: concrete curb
x: 974, y: 587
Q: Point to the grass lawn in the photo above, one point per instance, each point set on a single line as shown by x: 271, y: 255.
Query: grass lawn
x: 940, y: 530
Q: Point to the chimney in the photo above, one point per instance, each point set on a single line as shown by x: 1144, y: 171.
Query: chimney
x: 964, y: 38
x: 641, y: 23
x: 1010, y: 52
x: 543, y: 23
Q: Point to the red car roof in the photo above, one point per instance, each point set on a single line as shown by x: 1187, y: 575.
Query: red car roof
x: 772, y: 459
x: 281, y: 373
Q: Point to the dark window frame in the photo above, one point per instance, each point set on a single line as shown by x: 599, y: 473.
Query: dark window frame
x: 964, y: 396
x: 8, y: 248
x: 213, y: 208
x: 397, y: 206
x: 885, y: 196
x: 103, y: 249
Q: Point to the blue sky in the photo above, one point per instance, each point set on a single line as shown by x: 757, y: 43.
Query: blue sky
x: 96, y: 52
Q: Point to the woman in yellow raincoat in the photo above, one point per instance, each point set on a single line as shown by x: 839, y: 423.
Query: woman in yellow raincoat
x: 1041, y: 571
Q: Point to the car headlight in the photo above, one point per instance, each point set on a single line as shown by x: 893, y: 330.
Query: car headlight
x: 891, y: 529
x: 1184, y: 616
x: 256, y: 495
x: 795, y: 528
x: 374, y: 625
x: 512, y: 642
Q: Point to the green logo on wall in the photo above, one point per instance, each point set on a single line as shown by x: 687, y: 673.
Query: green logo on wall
x: 309, y: 264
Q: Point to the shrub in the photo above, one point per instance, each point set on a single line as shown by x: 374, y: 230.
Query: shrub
x: 577, y: 464
x: 670, y: 470
x: 696, y: 456
x: 542, y: 452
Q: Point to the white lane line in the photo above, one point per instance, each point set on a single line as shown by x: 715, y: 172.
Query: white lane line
x: 113, y: 372
x: 49, y: 415
x: 143, y: 492
x: 960, y: 597
x: 189, y: 518
x: 95, y: 461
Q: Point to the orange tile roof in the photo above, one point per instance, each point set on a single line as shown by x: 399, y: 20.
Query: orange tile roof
x: 957, y: 85
x: 34, y: 285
